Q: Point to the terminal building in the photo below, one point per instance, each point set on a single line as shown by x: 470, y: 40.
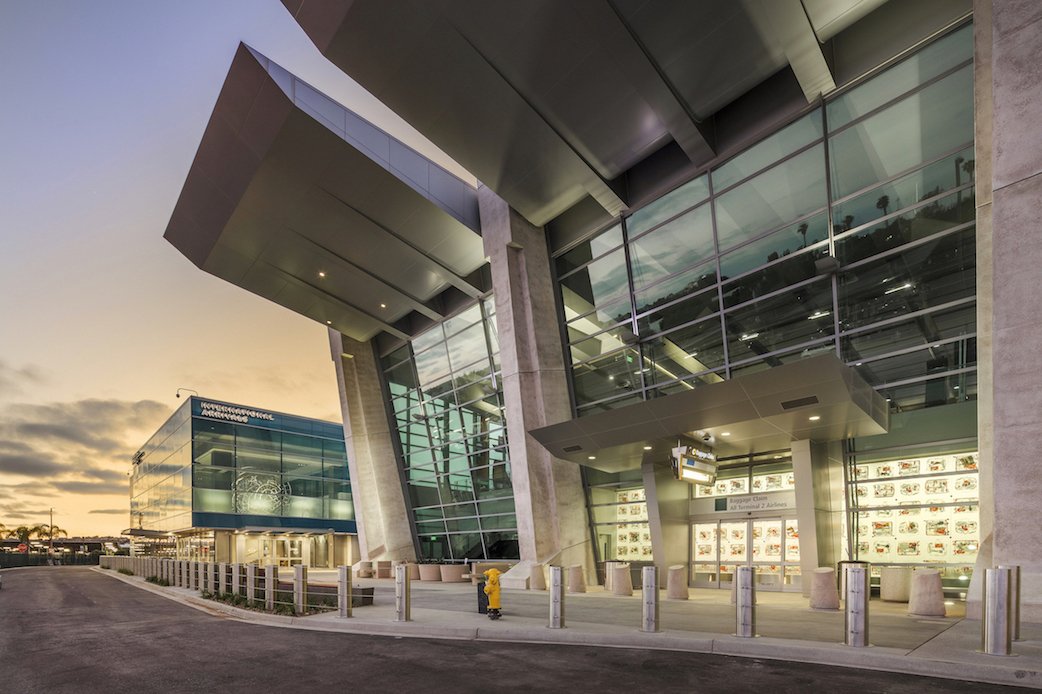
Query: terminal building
x: 230, y: 483
x: 795, y: 239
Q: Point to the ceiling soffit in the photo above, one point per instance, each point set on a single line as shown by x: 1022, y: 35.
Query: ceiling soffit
x: 302, y: 202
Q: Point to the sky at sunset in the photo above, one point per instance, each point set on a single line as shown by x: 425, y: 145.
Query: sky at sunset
x: 101, y: 320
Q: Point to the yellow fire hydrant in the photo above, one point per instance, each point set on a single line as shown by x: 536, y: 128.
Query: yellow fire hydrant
x: 492, y: 591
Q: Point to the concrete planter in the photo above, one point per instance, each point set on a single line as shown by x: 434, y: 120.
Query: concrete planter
x: 430, y: 572
x: 453, y: 573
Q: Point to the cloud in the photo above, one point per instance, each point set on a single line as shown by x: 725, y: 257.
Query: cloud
x: 106, y: 475
x: 79, y: 487
x: 31, y: 465
x: 13, y: 381
x: 65, y: 432
x: 111, y: 511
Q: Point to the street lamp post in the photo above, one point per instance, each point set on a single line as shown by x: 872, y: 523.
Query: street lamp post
x: 50, y: 543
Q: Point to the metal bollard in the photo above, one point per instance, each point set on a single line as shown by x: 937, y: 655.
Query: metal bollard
x: 855, y: 616
x: 271, y: 584
x: 251, y: 583
x: 556, y: 597
x: 402, y: 593
x: 1014, y: 600
x: 649, y: 593
x: 343, y: 590
x: 609, y: 576
x: 995, y: 622
x: 300, y: 588
x: 745, y: 602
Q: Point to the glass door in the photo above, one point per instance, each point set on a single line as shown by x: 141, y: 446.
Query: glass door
x: 771, y: 545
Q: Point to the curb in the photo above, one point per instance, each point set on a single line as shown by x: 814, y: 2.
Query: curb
x: 872, y: 658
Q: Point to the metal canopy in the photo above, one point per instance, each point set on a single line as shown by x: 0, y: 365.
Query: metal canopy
x: 296, y: 199
x: 549, y: 103
x: 763, y: 411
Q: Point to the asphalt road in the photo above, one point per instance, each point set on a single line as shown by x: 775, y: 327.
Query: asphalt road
x: 70, y: 629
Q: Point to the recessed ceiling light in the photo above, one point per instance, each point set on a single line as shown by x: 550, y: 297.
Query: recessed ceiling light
x: 725, y: 433
x: 692, y: 355
x: 777, y: 457
x: 383, y: 305
x: 647, y: 448
x: 593, y: 457
x: 815, y: 418
x: 329, y: 322
x: 321, y: 274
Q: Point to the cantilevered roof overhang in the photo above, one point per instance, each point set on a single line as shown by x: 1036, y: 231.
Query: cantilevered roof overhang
x: 763, y: 411
x: 553, y: 103
x: 295, y: 198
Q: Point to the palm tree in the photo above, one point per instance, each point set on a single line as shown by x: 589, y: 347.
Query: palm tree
x: 802, y: 229
x: 22, y: 533
x: 883, y: 203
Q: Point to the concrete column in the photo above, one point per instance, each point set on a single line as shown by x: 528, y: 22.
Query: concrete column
x: 381, y: 512
x: 548, y: 493
x: 668, y: 502
x: 222, y: 582
x: 1008, y: 154
x: 818, y: 471
x: 251, y: 582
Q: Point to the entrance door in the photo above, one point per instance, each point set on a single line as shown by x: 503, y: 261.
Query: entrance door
x: 771, y: 545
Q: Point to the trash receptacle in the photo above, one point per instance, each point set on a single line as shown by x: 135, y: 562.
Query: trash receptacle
x: 482, y: 599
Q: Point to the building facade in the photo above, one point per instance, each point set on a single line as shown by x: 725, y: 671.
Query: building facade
x: 766, y: 231
x: 230, y: 483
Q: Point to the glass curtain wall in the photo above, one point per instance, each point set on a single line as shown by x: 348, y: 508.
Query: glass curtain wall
x: 446, y: 401
x: 288, y: 467
x: 719, y: 278
x: 247, y: 470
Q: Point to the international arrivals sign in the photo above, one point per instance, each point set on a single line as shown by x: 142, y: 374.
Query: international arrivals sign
x: 235, y: 414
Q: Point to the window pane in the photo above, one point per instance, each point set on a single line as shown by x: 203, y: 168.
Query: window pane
x: 258, y: 460
x: 601, y: 343
x: 923, y: 66
x: 673, y: 247
x: 777, y: 245
x: 462, y: 320
x: 926, y: 124
x: 668, y: 206
x: 688, y: 282
x: 301, y: 465
x: 939, y: 215
x: 424, y: 493
x: 467, y: 347
x: 934, y: 273
x: 931, y: 327
x: 696, y: 306
x: 585, y: 252
x: 790, y: 318
x: 613, y: 374
x: 927, y: 182
x: 781, y: 144
x: 689, y: 350
x: 602, y: 318
x: 402, y: 375
x: 775, y: 197
x: 502, y: 545
x: 598, y: 283
x: 466, y: 546
x: 432, y: 364
x: 208, y: 477
x: 258, y: 438
x: 930, y: 360
x: 773, y: 277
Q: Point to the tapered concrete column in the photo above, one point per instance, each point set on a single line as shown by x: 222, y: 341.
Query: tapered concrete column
x: 1008, y: 164
x: 548, y: 493
x: 381, y: 513
x: 818, y: 471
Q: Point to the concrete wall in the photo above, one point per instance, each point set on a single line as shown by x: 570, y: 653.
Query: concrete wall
x: 381, y: 513
x: 548, y: 493
x: 1008, y: 94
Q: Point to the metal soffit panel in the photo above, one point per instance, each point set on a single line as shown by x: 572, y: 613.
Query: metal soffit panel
x: 287, y: 206
x: 547, y: 103
x: 763, y: 411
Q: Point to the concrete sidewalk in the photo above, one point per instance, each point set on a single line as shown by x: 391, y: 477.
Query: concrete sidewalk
x: 787, y: 628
